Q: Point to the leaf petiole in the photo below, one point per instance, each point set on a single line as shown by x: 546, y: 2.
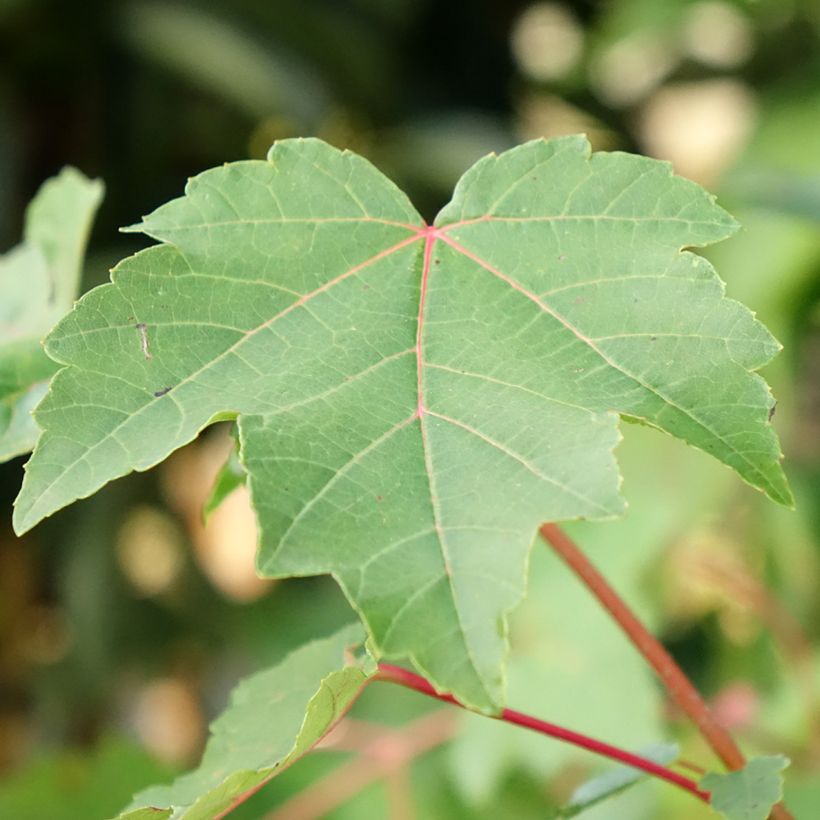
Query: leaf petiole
x: 404, y: 677
x: 679, y: 687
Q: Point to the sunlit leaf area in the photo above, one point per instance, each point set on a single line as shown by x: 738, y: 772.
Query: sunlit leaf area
x: 140, y: 623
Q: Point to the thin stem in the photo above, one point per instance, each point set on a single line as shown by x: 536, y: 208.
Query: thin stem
x: 677, y: 684
x: 690, y: 766
x: 399, y: 792
x: 403, y: 677
x: 679, y: 687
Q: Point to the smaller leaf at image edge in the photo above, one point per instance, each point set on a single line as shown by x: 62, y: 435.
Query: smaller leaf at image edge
x: 39, y: 280
x: 272, y: 719
x: 616, y: 781
x: 413, y: 401
x: 750, y: 793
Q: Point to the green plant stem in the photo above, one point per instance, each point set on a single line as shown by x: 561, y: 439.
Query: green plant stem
x: 679, y: 687
x: 403, y: 677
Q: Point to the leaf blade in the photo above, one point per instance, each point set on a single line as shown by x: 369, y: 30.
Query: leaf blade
x: 301, y: 698
x: 599, y: 224
x: 231, y: 476
x: 39, y: 280
x: 413, y: 401
x: 751, y: 792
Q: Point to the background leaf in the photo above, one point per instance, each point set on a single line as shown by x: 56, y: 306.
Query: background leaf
x: 230, y: 477
x: 273, y: 718
x: 75, y: 784
x: 39, y: 281
x: 616, y: 781
x: 750, y: 793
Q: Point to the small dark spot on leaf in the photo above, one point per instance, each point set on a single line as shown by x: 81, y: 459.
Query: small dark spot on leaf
x: 437, y: 261
x: 379, y: 498
x: 579, y: 300
x: 159, y: 393
x: 635, y: 300
x: 771, y: 411
x: 653, y: 338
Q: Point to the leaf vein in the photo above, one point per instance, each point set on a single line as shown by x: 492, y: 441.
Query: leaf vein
x: 519, y: 459
x: 337, y: 475
x: 265, y: 325
x: 583, y: 338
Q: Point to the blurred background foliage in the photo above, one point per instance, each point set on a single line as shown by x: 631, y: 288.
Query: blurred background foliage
x: 125, y: 620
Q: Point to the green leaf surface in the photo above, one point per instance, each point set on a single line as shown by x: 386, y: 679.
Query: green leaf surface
x: 616, y: 781
x: 39, y: 280
x: 576, y: 669
x: 274, y: 717
x: 413, y: 401
x: 231, y: 476
x: 750, y: 793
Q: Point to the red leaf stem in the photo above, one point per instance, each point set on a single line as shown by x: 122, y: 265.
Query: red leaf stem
x: 403, y: 677
x: 679, y: 687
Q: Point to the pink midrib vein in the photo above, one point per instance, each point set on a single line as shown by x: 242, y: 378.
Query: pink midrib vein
x: 430, y: 235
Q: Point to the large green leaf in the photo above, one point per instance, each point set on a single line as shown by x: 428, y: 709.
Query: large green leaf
x: 274, y: 717
x: 38, y: 284
x: 413, y: 401
x: 750, y: 793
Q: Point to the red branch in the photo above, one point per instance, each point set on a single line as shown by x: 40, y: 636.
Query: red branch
x: 677, y: 684
x: 672, y: 677
x: 403, y: 677
x: 679, y: 687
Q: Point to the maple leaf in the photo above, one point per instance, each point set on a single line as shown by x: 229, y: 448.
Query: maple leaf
x: 413, y: 400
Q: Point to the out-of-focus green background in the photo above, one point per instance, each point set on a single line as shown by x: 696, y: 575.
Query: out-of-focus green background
x: 124, y: 621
